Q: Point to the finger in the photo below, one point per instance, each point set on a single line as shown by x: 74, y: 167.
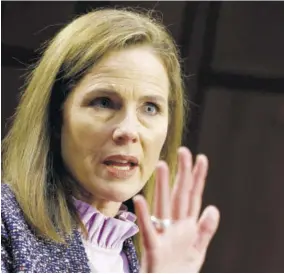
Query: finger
x: 182, y: 185
x: 147, y: 230
x: 162, y: 192
x: 207, y: 227
x: 199, y: 174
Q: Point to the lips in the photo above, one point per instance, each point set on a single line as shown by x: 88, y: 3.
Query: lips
x: 121, y: 160
x: 121, y: 166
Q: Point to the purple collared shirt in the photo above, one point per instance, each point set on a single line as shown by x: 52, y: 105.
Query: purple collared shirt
x: 106, y: 235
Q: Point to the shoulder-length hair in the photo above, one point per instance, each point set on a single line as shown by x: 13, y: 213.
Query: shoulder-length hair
x: 32, y: 163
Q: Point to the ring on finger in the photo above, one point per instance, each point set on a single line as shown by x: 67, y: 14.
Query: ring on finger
x: 161, y: 224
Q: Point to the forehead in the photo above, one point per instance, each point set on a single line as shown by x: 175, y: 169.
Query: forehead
x: 136, y: 68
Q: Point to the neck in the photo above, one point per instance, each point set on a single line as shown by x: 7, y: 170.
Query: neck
x: 106, y: 207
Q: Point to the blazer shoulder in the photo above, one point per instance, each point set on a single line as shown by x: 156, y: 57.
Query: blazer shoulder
x: 9, y: 204
x: 12, y: 215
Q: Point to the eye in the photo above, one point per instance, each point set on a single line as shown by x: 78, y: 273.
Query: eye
x: 102, y: 102
x: 151, y: 108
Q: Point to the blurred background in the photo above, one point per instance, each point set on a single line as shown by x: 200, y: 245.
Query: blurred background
x: 233, y: 56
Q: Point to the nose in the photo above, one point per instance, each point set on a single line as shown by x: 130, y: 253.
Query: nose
x: 127, y: 130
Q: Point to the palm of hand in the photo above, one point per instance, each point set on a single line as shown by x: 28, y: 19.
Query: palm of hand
x: 182, y: 246
x: 175, y: 250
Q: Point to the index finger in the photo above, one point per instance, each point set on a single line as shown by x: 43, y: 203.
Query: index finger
x: 147, y: 230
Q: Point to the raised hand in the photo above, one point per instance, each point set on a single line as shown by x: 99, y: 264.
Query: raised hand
x: 180, y: 244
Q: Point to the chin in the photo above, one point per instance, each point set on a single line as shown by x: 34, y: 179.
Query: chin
x: 120, y: 192
x: 115, y: 190
x: 121, y: 195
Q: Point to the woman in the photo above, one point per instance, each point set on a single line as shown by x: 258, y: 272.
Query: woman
x: 103, y: 109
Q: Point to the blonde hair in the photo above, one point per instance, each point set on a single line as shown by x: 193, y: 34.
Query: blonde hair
x: 31, y: 153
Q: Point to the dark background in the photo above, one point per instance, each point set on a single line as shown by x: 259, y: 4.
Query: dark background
x: 234, y: 59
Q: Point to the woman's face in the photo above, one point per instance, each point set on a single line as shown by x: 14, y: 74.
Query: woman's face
x: 115, y: 123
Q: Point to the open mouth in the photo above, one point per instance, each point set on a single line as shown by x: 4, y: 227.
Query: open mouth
x: 121, y: 165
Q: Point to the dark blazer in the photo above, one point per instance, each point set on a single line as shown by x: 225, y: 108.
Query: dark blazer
x: 23, y: 251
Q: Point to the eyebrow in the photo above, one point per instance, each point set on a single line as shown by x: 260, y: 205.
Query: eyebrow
x: 110, y: 91
x: 155, y: 98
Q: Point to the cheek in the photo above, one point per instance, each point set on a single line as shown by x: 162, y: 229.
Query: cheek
x: 85, y: 131
x: 156, y: 140
x: 81, y: 139
x: 152, y: 149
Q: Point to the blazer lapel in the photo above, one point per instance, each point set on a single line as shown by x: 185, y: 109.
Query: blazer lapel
x: 129, y: 249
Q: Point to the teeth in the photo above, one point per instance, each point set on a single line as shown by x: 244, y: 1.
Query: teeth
x: 121, y: 167
x: 118, y: 161
x: 122, y: 161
